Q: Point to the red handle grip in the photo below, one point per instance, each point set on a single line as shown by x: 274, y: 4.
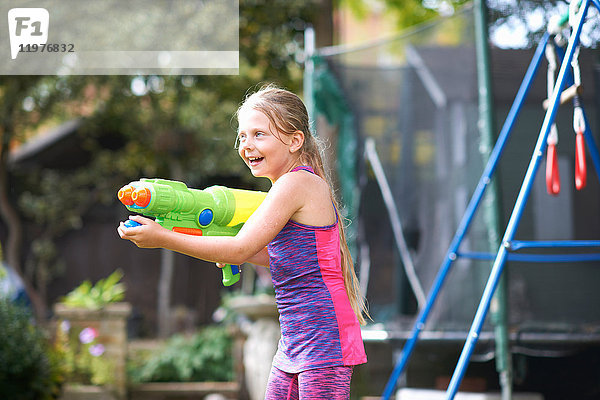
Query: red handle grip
x: 580, y: 164
x: 552, y: 175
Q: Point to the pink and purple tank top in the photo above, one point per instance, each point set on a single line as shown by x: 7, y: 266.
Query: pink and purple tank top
x: 318, y: 326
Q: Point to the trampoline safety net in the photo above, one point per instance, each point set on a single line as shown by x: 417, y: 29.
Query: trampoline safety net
x: 415, y: 96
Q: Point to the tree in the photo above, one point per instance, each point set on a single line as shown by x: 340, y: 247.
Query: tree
x: 532, y: 18
x: 525, y: 20
x: 16, y: 123
x: 407, y: 13
x: 134, y: 126
x: 12, y: 90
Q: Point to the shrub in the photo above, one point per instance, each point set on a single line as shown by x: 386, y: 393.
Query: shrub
x: 204, y: 356
x: 28, y: 367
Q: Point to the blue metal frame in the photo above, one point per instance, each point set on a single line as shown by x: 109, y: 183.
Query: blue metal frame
x: 515, y: 245
x: 508, y: 243
x: 534, y: 258
x: 518, y: 209
x: 464, y: 224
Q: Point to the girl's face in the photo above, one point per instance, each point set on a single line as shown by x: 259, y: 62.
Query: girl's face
x: 266, y: 152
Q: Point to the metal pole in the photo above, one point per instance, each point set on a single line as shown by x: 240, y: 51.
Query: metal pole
x: 516, y: 214
x: 499, y: 315
x: 467, y: 217
x: 388, y: 199
x: 309, y: 69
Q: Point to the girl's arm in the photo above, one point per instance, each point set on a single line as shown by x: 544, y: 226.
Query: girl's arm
x: 261, y: 258
x: 286, y: 197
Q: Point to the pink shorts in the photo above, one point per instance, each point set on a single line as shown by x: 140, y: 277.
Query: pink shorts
x: 332, y: 383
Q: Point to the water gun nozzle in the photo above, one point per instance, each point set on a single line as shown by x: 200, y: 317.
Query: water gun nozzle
x: 141, y: 197
x: 124, y: 195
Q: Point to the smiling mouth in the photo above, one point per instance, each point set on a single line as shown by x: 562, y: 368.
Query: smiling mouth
x: 255, y: 160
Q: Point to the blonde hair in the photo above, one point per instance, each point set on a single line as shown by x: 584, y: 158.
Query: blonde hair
x: 288, y: 114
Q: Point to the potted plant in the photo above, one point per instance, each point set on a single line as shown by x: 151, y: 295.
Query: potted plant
x: 91, y: 335
x: 257, y: 318
x: 185, y: 365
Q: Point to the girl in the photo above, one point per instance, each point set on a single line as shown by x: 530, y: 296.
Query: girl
x: 297, y: 232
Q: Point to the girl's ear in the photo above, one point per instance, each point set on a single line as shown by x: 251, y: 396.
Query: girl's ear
x: 297, y: 141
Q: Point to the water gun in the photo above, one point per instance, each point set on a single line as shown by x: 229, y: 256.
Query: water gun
x: 214, y: 211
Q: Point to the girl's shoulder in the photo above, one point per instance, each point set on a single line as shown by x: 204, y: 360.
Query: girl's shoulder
x: 311, y: 195
x: 302, y: 180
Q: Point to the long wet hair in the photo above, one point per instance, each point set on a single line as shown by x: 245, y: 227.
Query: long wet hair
x: 288, y: 114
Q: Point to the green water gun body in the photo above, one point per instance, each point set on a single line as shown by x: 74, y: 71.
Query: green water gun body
x: 215, y: 211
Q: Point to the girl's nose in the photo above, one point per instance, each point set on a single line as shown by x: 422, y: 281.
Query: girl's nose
x: 244, y: 147
x: 247, y: 143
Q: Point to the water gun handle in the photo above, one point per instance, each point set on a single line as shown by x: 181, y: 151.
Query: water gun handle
x: 231, y: 274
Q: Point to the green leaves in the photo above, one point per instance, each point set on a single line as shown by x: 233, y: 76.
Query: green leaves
x: 179, y: 127
x: 105, y: 291
x: 27, y: 369
x: 205, y: 356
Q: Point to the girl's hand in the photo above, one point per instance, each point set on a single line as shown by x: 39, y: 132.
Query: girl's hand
x: 220, y: 265
x: 148, y: 235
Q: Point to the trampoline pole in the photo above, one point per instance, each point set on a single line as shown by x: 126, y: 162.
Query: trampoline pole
x: 309, y: 72
x: 468, y: 217
x: 515, y: 217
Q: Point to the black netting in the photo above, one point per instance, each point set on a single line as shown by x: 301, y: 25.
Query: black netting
x: 416, y: 97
